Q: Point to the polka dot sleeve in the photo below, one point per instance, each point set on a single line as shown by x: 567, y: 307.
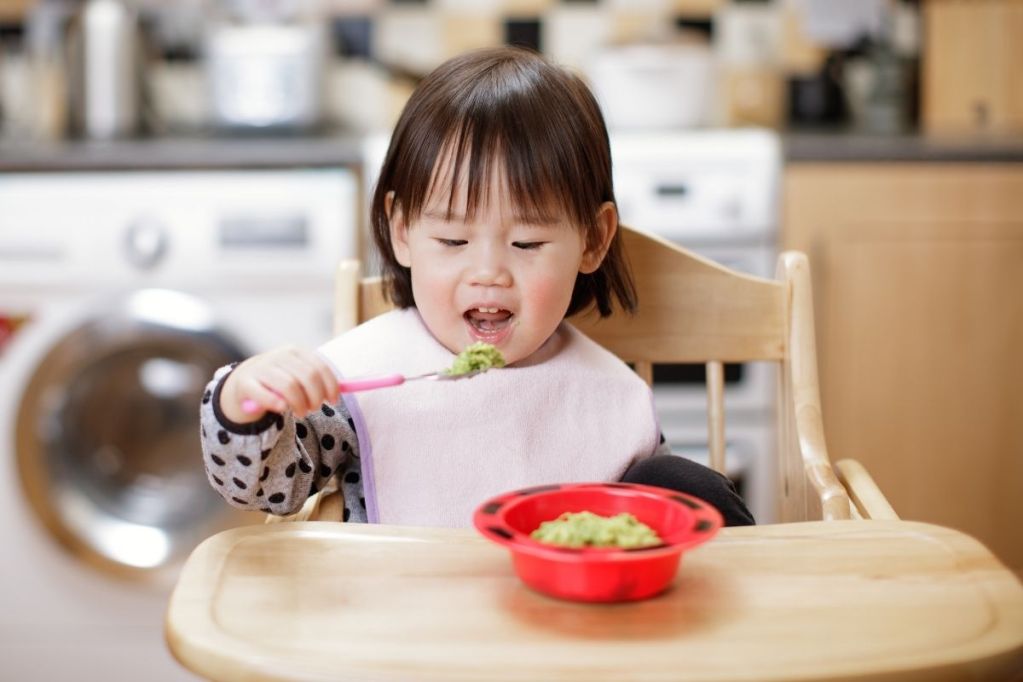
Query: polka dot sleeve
x: 276, y: 463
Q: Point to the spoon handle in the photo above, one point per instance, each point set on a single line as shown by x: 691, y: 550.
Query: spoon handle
x: 369, y: 383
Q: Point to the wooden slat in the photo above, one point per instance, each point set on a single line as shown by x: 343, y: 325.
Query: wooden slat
x: 346, y: 296
x: 646, y: 371
x: 371, y: 300
x: 716, y: 414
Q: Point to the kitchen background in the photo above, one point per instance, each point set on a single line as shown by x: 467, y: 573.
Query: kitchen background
x: 179, y: 179
x: 348, y: 65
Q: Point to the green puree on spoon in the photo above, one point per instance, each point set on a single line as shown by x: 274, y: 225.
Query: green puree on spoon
x: 477, y: 357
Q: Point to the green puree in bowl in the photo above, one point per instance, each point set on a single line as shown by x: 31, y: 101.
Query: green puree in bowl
x: 476, y: 357
x: 586, y: 529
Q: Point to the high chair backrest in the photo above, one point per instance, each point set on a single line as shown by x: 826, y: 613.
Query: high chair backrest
x: 692, y: 310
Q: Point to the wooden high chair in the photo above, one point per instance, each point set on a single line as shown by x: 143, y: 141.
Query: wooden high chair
x: 692, y: 310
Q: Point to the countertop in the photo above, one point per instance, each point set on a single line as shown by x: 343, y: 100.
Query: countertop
x: 345, y: 149
x: 180, y: 153
x: 861, y: 147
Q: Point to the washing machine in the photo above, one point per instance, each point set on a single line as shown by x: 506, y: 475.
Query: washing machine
x: 121, y: 292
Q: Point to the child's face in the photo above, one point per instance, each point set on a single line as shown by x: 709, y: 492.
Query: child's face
x: 496, y: 278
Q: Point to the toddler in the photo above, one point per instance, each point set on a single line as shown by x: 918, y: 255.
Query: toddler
x: 495, y: 219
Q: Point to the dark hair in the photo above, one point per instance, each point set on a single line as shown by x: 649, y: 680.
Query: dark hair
x: 510, y: 106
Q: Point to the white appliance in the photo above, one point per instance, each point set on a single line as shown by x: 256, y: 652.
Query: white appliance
x: 715, y: 192
x: 132, y: 287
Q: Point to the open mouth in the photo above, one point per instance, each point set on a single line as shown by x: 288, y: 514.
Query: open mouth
x: 488, y: 322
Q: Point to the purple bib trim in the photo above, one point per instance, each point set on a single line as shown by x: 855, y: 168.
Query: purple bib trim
x: 369, y: 488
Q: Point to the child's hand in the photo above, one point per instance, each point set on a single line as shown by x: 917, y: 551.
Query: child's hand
x: 279, y: 379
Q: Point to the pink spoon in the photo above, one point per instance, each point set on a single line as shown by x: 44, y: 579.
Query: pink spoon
x: 370, y: 383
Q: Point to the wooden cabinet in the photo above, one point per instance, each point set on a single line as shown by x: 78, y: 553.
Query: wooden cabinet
x: 971, y: 66
x: 918, y: 276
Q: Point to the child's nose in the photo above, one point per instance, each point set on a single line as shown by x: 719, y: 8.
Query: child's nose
x: 490, y: 268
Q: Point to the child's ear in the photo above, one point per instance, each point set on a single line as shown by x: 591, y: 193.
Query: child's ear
x: 399, y: 231
x: 598, y: 244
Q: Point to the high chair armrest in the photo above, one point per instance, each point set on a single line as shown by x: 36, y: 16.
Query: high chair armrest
x: 870, y: 502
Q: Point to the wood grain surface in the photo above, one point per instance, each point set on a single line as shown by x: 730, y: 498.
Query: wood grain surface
x: 821, y: 600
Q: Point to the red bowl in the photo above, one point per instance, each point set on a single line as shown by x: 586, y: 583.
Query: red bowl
x: 597, y: 574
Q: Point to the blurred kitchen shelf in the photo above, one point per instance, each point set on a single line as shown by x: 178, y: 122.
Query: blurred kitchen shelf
x: 182, y: 153
x: 910, y: 147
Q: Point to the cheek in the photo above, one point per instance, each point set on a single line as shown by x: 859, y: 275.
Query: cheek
x: 552, y: 294
x: 429, y: 285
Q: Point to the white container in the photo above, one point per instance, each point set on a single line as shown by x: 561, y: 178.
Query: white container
x: 266, y: 75
x: 653, y: 87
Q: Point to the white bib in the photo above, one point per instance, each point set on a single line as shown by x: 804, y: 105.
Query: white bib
x: 432, y: 451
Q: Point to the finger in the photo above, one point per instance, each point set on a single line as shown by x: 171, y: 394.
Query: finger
x: 309, y: 368
x: 321, y: 376
x: 265, y: 399
x: 331, y: 381
x: 284, y: 382
x: 330, y: 377
x: 296, y: 387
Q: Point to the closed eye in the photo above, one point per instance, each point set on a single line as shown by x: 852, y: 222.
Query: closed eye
x: 528, y: 246
x: 452, y: 242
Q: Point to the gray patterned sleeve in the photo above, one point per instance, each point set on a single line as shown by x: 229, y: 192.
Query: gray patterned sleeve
x: 276, y: 463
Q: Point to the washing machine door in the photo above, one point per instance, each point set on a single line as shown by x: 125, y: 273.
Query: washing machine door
x: 107, y: 432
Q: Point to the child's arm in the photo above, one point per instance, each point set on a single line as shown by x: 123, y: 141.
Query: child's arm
x: 273, y: 461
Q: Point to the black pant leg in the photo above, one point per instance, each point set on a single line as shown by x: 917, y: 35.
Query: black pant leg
x: 687, y: 476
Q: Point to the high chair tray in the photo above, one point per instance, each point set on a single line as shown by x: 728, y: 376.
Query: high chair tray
x: 860, y: 600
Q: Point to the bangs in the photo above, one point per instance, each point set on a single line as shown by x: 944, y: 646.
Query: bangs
x: 534, y: 195
x: 548, y: 162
